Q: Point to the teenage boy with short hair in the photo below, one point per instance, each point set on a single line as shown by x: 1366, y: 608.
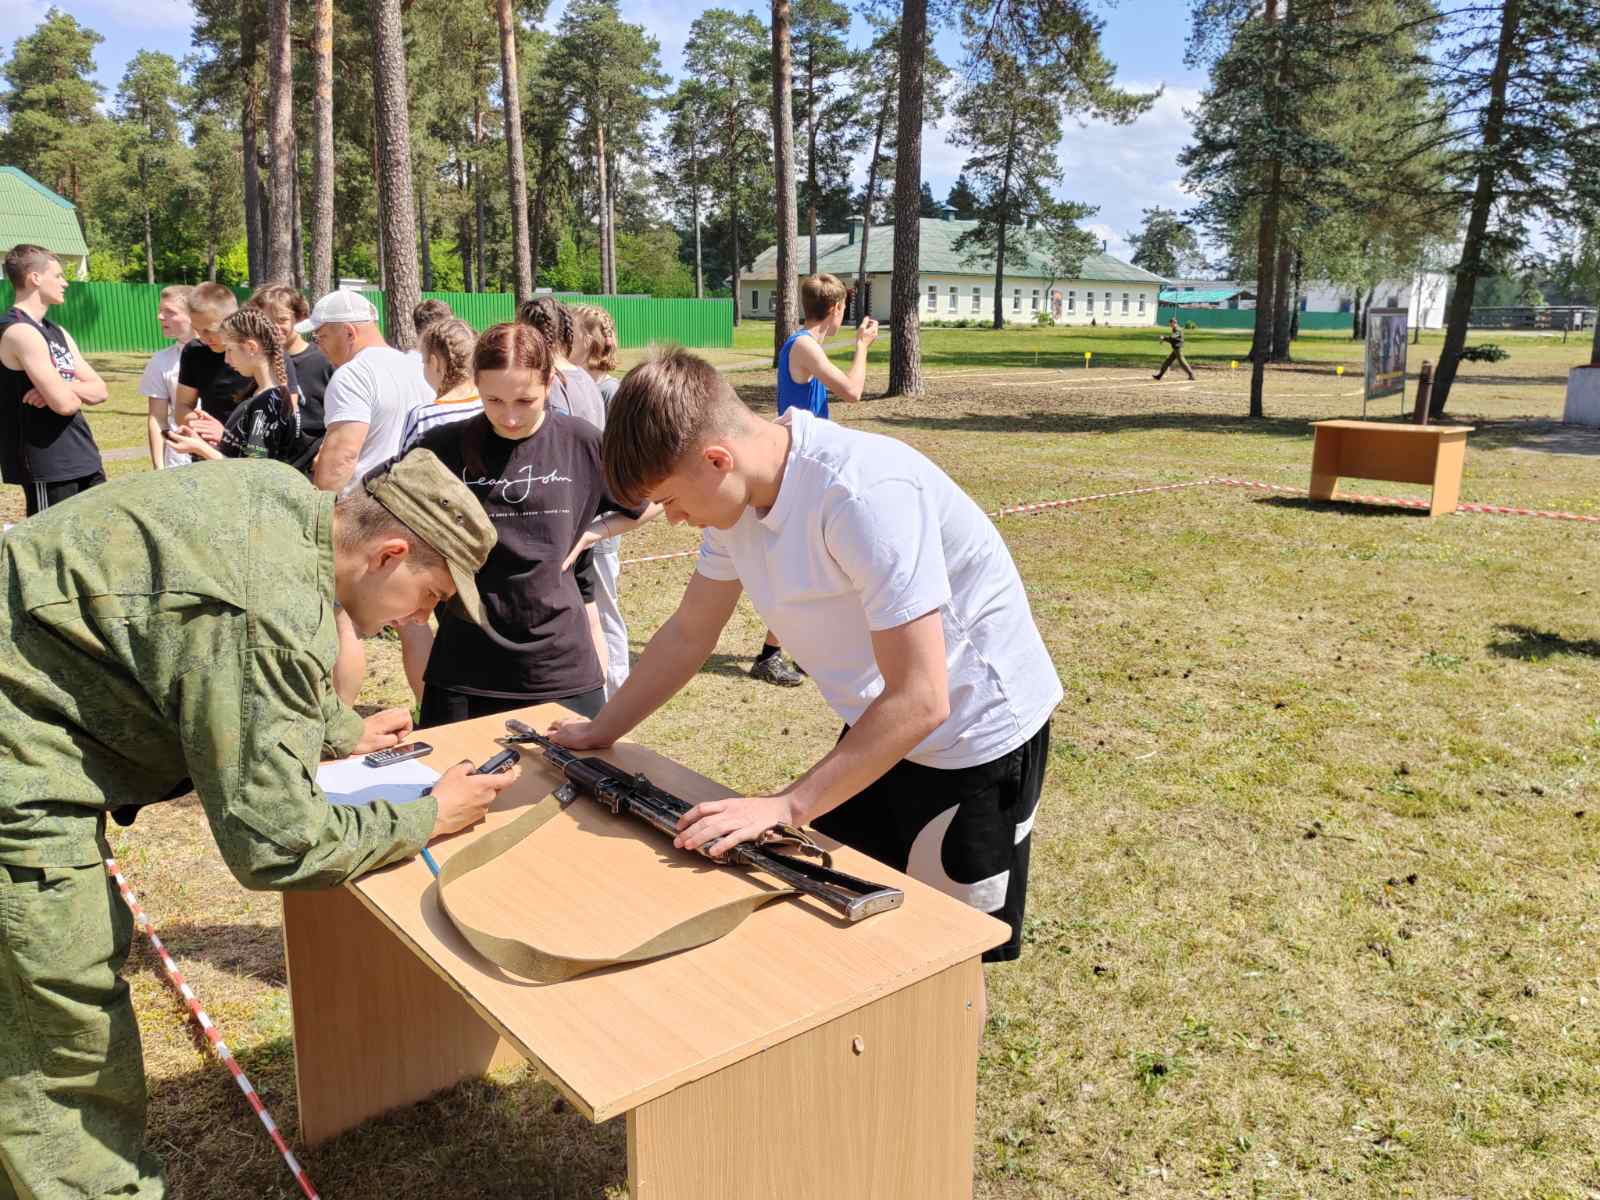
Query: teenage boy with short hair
x: 901, y: 599
x: 208, y: 388
x: 159, y: 383
x: 45, y: 443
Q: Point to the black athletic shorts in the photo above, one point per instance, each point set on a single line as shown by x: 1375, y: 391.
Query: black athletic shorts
x: 965, y: 831
x: 42, y: 495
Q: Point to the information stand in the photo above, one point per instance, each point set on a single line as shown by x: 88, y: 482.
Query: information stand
x: 830, y: 1059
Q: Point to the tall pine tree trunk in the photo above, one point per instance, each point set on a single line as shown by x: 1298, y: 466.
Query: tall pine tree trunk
x: 1002, y: 219
x: 1471, y: 266
x: 1283, y: 311
x: 603, y: 200
x: 425, y: 237
x: 905, y: 334
x: 541, y: 188
x: 1266, y: 243
x: 249, y: 115
x: 277, y: 267
x: 149, y: 240
x: 733, y: 226
x: 402, y: 293
x: 869, y: 199
x: 322, y: 150
x: 477, y: 183
x: 297, y: 247
x: 464, y: 246
x: 788, y: 301
x: 694, y: 205
x: 1297, y: 289
x: 516, y: 172
x: 811, y: 150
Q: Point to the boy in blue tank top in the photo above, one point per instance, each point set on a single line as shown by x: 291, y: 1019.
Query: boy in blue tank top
x: 805, y: 377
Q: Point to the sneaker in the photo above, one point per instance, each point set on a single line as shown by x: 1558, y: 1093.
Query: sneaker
x: 775, y: 669
x: 1155, y: 377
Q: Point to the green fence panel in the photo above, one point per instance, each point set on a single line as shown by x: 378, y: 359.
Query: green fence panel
x: 121, y: 317
x: 1245, y: 318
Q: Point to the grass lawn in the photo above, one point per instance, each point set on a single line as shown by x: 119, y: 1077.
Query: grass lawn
x: 1317, y: 867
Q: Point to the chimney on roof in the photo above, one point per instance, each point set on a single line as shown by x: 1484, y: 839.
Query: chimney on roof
x: 853, y: 226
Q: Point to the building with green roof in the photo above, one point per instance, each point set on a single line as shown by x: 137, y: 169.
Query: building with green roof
x: 953, y: 285
x: 31, y: 212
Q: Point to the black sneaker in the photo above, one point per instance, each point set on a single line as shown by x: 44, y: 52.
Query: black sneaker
x: 775, y: 669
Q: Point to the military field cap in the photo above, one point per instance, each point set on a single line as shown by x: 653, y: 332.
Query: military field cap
x: 342, y: 307
x: 422, y: 494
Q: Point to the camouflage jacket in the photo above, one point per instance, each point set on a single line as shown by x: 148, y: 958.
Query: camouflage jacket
x: 180, y: 623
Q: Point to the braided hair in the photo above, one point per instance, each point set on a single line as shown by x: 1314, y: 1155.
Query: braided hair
x: 600, y: 335
x: 551, y: 318
x: 452, y: 341
x: 258, y: 327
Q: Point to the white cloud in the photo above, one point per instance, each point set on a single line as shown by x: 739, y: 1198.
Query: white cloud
x: 115, y: 18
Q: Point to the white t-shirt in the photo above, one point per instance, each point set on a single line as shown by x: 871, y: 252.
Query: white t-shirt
x: 866, y: 535
x: 379, y: 386
x: 160, y: 382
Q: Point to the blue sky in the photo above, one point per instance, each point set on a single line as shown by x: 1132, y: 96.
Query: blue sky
x: 1120, y: 168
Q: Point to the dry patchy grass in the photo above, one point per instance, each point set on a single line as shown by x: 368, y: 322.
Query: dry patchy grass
x: 1314, y: 885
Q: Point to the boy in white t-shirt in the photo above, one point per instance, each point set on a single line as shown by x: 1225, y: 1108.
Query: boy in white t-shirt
x: 159, y: 383
x: 892, y: 589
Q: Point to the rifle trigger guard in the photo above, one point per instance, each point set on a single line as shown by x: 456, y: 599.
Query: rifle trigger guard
x: 565, y: 794
x: 797, y: 840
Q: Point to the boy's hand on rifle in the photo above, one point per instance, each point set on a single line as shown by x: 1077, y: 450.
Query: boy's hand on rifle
x: 575, y: 734
x: 727, y: 823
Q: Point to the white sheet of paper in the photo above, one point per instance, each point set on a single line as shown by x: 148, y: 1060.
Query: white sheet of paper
x: 351, y: 781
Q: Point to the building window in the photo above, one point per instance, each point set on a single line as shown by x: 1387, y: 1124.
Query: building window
x: 772, y: 301
x: 1394, y: 302
x: 1072, y: 300
x: 1124, y: 303
x: 755, y: 300
x: 933, y: 298
x: 1305, y: 304
x: 1344, y: 306
x: 977, y: 299
x: 1016, y: 299
x: 1108, y: 304
x: 955, y: 304
x: 1088, y: 303
x: 1034, y: 301
x: 1141, y: 303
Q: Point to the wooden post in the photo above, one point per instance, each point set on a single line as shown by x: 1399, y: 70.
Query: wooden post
x: 1424, y: 391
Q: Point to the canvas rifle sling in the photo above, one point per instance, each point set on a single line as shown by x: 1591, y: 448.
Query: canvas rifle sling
x: 542, y: 966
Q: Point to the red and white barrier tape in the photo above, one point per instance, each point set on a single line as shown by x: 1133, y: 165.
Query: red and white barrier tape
x: 175, y: 977
x: 1502, y: 510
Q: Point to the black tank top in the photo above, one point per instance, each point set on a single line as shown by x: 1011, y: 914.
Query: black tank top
x: 38, y: 445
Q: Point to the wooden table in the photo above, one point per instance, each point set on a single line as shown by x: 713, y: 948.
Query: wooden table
x: 819, y: 1059
x: 1431, y: 454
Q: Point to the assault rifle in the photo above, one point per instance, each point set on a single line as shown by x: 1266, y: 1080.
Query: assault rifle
x: 621, y: 792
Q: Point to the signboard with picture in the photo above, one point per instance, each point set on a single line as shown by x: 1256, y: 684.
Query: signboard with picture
x: 1386, y: 355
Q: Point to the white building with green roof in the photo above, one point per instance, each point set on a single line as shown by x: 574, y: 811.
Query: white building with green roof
x: 953, y: 286
x: 32, y: 213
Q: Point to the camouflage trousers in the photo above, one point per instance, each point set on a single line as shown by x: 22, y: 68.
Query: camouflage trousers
x: 72, y: 1092
x: 1176, y: 357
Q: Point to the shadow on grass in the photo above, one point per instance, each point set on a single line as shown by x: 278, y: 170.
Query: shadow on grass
x: 1535, y: 645
x: 1091, y: 422
x: 1551, y: 437
x: 1344, y: 508
x: 250, y: 951
x: 478, y: 1139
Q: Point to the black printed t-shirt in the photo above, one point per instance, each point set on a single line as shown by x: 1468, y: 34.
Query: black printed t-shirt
x: 221, y: 388
x: 39, y: 445
x: 264, y: 426
x: 541, y: 493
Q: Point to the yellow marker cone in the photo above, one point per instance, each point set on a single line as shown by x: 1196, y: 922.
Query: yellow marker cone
x: 1339, y: 370
x: 1087, y: 355
x: 1233, y: 364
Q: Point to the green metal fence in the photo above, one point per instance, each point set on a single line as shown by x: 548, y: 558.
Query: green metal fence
x: 1245, y: 318
x: 115, y: 317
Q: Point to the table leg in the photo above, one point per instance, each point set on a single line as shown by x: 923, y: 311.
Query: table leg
x: 1451, y: 456
x: 878, y: 1103
x: 1324, y: 463
x: 374, y: 1027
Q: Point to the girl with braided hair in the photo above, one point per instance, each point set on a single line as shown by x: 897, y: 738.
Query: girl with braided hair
x: 268, y: 424
x: 572, y: 391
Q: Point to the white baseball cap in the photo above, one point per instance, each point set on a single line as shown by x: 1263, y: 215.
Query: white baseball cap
x: 338, y: 308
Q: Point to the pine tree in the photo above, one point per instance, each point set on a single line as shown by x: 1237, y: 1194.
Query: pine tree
x: 785, y: 308
x: 402, y: 291
x: 150, y: 103
x: 825, y: 106
x: 1164, y: 245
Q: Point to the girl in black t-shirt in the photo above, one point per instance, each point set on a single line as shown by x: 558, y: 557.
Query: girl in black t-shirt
x: 268, y: 424
x: 537, y: 473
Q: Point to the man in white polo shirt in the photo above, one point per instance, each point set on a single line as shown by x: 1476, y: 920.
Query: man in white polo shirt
x: 372, y: 388
x: 895, y: 593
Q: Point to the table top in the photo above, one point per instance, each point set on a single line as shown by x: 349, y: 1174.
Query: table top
x: 1396, y: 427
x: 594, y: 884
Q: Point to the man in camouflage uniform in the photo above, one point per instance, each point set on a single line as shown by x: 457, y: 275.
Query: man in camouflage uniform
x: 1174, y: 339
x: 180, y: 623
